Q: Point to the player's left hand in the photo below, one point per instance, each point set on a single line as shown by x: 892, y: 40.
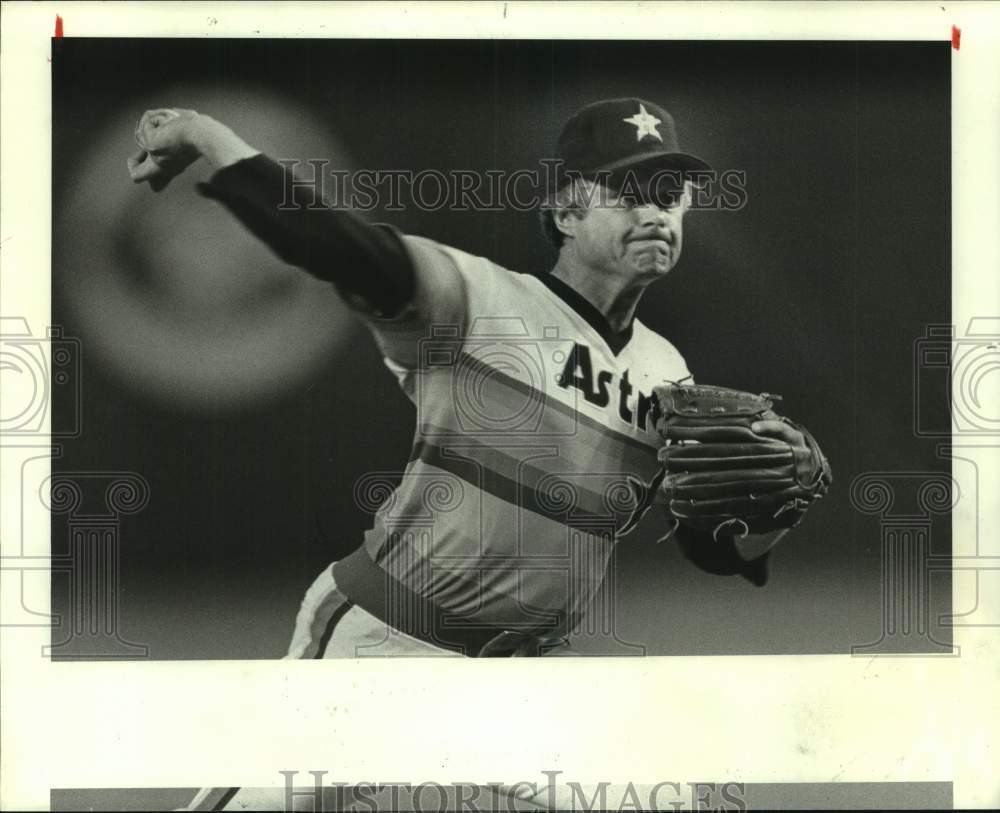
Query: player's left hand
x: 732, y: 465
x: 806, y: 463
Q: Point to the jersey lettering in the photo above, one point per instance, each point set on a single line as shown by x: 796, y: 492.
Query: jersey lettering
x: 579, y: 374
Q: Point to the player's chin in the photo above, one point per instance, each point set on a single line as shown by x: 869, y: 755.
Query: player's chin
x: 654, y: 263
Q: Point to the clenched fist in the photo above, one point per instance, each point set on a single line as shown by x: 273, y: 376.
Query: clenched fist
x: 166, y: 140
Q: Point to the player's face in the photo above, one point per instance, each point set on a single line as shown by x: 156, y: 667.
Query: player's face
x: 632, y: 236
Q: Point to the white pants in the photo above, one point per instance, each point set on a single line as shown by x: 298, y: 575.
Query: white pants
x: 329, y: 626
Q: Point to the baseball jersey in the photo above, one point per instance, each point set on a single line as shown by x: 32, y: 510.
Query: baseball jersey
x: 535, y: 431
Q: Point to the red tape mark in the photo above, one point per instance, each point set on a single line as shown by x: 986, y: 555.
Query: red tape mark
x: 58, y: 34
x: 956, y: 37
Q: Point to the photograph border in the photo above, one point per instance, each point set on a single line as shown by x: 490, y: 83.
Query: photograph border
x: 684, y: 719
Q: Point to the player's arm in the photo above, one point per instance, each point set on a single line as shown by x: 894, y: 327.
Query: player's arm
x: 370, y: 265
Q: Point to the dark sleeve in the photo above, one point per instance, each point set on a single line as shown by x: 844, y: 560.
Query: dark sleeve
x: 361, y: 259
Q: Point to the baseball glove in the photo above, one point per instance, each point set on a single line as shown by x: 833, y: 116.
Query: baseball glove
x: 723, y: 478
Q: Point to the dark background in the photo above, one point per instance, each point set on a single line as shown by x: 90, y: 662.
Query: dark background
x: 816, y: 289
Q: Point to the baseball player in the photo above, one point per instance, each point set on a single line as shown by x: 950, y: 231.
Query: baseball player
x: 549, y: 418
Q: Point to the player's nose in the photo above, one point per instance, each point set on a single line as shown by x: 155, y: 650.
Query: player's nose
x: 651, y: 215
x: 654, y: 219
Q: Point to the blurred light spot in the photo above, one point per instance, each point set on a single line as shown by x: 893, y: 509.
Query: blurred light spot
x: 168, y: 291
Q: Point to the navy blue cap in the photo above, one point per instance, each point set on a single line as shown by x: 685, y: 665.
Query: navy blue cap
x: 616, y: 135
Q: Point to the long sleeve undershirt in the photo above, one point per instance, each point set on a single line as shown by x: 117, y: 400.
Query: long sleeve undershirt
x: 363, y: 260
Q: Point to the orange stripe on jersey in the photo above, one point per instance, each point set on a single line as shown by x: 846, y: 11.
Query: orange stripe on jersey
x: 519, y: 410
x: 589, y: 499
x: 476, y: 383
x: 480, y: 556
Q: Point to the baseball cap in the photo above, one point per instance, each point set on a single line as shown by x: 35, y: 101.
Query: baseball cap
x: 615, y: 136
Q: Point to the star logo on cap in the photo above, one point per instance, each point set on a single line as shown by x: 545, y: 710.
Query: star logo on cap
x: 645, y: 124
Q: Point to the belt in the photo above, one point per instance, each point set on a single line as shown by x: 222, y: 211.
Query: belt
x: 392, y: 602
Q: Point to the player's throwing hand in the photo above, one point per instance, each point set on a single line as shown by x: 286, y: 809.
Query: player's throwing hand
x: 166, y: 146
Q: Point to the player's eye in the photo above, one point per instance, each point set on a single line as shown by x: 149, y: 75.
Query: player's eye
x: 667, y: 195
x: 669, y: 200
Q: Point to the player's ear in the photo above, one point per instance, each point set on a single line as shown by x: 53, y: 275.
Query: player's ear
x: 688, y: 196
x: 570, y: 205
x: 567, y: 218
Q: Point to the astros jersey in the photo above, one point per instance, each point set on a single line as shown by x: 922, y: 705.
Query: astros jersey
x: 532, y: 436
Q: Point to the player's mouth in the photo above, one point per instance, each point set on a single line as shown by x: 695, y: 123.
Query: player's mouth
x: 659, y: 243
